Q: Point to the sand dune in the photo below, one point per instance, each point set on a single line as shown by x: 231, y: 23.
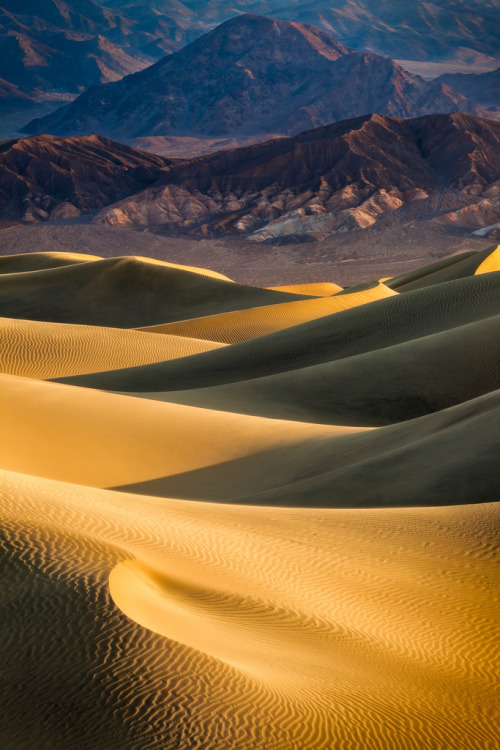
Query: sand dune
x: 381, y: 633
x: 320, y: 289
x: 51, y: 350
x: 448, y: 269
x: 124, y: 292
x: 355, y: 331
x: 378, y: 387
x: 284, y: 538
x: 40, y: 261
x: 117, y: 439
x: 242, y: 325
x: 168, y: 449
x: 491, y: 262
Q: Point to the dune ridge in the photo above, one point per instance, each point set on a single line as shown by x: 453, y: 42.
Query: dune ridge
x: 319, y: 289
x: 316, y: 653
x: 125, y: 292
x: 284, y: 538
x: 350, y: 332
x: 242, y: 325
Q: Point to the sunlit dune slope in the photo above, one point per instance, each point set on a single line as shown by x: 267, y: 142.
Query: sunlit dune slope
x: 450, y: 457
x: 320, y: 289
x: 40, y: 261
x: 233, y: 327
x: 278, y: 628
x: 362, y: 329
x: 491, y: 262
x: 286, y: 542
x: 448, y: 269
x: 116, y: 439
x: 124, y: 292
x: 175, y: 450
x: 50, y: 350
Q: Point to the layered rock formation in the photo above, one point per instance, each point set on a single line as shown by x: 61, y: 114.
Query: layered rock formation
x: 52, y: 178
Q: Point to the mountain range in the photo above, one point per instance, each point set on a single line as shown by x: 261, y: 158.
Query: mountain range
x: 54, y: 178
x: 342, y: 177
x: 67, y: 45
x: 64, y: 46
x: 405, y: 29
x: 252, y: 75
x: 402, y: 29
x: 338, y: 178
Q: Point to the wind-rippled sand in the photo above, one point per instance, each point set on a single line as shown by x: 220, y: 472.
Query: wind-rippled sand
x: 287, y: 542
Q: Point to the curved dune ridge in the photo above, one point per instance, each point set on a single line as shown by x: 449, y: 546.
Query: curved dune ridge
x: 321, y: 289
x: 126, y: 292
x: 366, y: 328
x: 284, y: 628
x: 263, y: 519
x: 455, y: 267
x: 52, y: 350
x: 242, y: 325
x: 40, y: 261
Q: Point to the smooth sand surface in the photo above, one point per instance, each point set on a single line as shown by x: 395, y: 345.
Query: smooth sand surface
x: 39, y: 261
x: 491, y: 262
x: 456, y: 267
x: 242, y: 325
x: 358, y: 330
x: 284, y: 538
x: 124, y: 292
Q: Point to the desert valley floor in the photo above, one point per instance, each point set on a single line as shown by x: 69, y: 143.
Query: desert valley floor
x: 243, y: 518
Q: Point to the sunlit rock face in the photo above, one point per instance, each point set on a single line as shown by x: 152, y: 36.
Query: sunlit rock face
x: 341, y: 178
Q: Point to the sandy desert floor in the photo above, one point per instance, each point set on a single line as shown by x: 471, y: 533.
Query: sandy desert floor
x: 243, y: 518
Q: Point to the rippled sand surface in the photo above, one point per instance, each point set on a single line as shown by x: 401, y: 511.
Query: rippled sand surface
x: 285, y: 541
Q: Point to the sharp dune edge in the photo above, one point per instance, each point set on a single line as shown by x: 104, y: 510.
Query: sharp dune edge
x: 269, y: 521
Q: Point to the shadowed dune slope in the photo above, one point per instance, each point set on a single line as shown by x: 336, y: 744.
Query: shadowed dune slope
x: 447, y: 458
x: 242, y: 325
x: 116, y: 439
x: 382, y: 386
x: 382, y: 633
x: 285, y: 543
x: 448, y: 269
x: 39, y: 261
x: 366, y: 328
x: 175, y: 450
x: 50, y: 350
x: 124, y: 292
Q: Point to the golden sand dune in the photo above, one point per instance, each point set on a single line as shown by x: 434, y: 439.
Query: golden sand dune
x: 40, y: 261
x: 321, y: 289
x: 241, y: 325
x: 117, y: 440
x: 455, y: 267
x: 491, y: 262
x: 257, y: 628
x: 355, y: 331
x: 175, y: 450
x: 124, y: 293
x: 286, y: 543
x: 52, y: 350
